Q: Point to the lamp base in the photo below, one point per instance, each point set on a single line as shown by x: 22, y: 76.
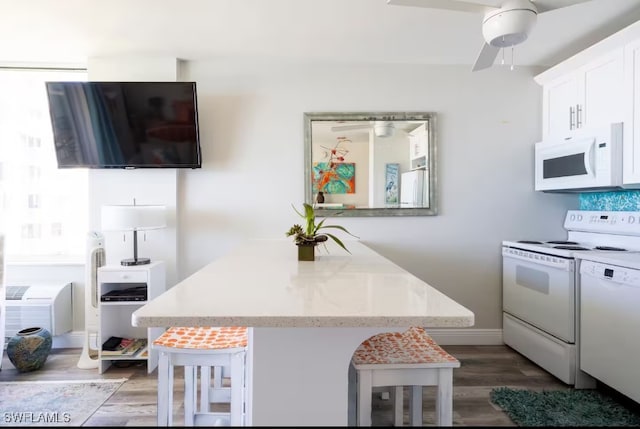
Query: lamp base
x: 138, y: 261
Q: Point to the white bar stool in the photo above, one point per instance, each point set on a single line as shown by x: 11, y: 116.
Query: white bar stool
x: 410, y: 358
x: 202, y: 348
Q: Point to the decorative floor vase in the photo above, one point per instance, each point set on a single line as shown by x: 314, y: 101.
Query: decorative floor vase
x: 306, y: 252
x: 29, y: 348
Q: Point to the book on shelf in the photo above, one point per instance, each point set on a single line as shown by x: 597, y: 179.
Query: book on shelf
x: 144, y: 353
x: 116, y: 346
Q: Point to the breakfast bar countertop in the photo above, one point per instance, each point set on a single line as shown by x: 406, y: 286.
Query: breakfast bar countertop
x: 304, y: 319
x: 262, y: 284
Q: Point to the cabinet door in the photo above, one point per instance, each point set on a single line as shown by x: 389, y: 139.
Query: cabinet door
x: 418, y: 139
x: 418, y: 147
x: 559, y: 108
x: 631, y: 130
x: 601, y: 92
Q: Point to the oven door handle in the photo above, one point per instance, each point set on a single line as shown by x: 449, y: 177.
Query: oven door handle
x: 540, y: 259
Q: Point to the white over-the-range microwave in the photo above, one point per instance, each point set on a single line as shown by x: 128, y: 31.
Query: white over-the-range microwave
x: 582, y: 164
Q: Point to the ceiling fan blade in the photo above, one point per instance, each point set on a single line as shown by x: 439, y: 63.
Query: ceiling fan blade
x: 547, y: 5
x: 461, y: 6
x: 486, y: 58
x: 350, y: 127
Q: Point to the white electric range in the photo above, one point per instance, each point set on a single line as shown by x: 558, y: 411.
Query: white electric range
x: 541, y: 287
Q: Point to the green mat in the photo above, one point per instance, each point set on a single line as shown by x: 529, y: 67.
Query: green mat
x: 563, y: 408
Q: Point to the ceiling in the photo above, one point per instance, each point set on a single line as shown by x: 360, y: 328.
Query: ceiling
x: 362, y: 31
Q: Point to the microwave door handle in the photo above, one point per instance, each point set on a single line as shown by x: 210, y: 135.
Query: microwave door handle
x: 589, y: 160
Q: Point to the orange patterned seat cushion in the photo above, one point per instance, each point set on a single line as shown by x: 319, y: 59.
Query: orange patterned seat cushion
x: 208, y: 338
x: 413, y: 346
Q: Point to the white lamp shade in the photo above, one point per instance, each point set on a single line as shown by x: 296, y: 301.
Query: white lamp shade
x: 133, y: 218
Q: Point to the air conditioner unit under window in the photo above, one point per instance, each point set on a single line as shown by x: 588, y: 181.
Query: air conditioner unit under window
x: 46, y: 306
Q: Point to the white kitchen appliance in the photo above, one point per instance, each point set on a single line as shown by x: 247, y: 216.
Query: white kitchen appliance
x: 610, y: 320
x: 582, y: 164
x: 541, y: 290
x: 414, y: 188
x: 44, y: 305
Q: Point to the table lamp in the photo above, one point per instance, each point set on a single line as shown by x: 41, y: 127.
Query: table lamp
x: 133, y: 218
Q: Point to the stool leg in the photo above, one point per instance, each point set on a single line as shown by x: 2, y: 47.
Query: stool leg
x: 205, y: 384
x: 415, y: 406
x: 237, y: 389
x: 217, y: 377
x: 352, y: 396
x: 171, y: 378
x: 397, y: 392
x: 218, y: 392
x: 165, y: 387
x: 365, y: 390
x: 190, y: 386
x: 444, y: 397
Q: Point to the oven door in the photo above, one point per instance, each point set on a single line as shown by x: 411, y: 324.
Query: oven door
x: 540, y: 289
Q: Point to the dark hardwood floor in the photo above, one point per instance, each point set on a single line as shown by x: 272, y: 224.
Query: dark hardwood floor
x: 482, y: 369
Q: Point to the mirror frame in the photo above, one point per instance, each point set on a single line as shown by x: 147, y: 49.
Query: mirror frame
x: 309, y: 117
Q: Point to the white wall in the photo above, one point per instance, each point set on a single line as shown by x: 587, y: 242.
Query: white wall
x: 251, y: 118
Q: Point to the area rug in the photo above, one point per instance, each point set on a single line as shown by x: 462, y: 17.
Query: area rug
x: 563, y: 408
x: 53, y: 403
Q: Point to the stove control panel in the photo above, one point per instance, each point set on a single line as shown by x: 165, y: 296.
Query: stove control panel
x: 611, y: 222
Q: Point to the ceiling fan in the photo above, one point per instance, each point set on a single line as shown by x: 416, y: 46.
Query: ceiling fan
x: 380, y: 128
x: 502, y: 27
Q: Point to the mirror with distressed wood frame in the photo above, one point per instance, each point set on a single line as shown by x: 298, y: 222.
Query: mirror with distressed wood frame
x: 370, y: 163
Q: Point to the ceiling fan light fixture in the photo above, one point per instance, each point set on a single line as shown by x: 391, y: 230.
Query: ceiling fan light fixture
x: 383, y: 128
x: 508, y: 28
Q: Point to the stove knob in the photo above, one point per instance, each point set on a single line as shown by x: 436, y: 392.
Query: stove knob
x: 632, y: 219
x: 579, y: 217
x: 572, y: 217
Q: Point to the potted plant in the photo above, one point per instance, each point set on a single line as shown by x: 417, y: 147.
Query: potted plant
x: 308, y: 237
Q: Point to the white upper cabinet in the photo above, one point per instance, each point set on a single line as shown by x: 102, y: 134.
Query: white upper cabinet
x: 418, y: 147
x: 560, y: 101
x: 585, y: 99
x: 631, y: 132
x: 593, y: 89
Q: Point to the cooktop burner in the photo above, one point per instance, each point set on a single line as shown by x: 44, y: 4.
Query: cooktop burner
x: 570, y: 247
x: 563, y: 242
x: 529, y: 242
x: 615, y: 249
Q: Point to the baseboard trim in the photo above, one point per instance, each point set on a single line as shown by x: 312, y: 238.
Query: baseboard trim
x: 466, y: 337
x: 71, y: 340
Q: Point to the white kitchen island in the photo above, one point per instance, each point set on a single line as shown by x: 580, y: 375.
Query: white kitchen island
x: 306, y: 319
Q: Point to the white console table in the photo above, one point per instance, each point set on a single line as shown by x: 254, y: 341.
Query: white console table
x: 305, y: 318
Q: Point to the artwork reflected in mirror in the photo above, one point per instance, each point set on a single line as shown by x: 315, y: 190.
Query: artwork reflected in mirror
x: 370, y: 164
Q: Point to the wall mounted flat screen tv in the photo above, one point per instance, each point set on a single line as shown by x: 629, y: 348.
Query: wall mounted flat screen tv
x: 125, y: 124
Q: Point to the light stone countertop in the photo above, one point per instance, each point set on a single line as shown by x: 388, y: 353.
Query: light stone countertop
x: 262, y: 284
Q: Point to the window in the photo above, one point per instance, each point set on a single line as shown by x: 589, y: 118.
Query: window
x: 33, y: 172
x: 34, y: 201
x: 43, y: 209
x: 56, y: 229
x: 30, y: 231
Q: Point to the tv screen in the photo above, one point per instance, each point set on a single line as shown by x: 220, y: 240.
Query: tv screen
x: 125, y: 124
